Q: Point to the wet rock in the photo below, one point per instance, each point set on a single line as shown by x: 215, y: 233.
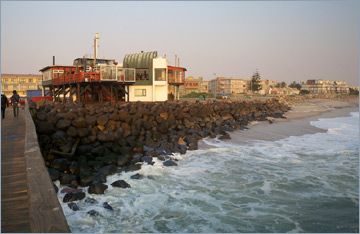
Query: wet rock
x: 108, y: 170
x: 54, y: 174
x: 137, y: 176
x: 97, y: 188
x: 102, y: 120
x: 67, y: 178
x: 169, y: 163
x: 147, y: 159
x: 73, y: 206
x: 121, y: 184
x: 90, y: 200
x: 133, y: 167
x: 107, y: 206
x: 94, y: 213
x: 74, y: 196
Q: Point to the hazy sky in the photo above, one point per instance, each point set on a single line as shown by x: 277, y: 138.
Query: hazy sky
x: 284, y: 40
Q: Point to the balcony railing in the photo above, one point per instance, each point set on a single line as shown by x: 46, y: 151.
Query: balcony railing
x: 78, y: 78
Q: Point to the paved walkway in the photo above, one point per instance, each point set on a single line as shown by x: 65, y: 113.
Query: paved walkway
x: 14, y: 193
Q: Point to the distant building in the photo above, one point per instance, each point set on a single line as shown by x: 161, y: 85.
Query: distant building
x: 20, y: 82
x: 229, y: 86
x: 193, y: 85
x: 325, y: 86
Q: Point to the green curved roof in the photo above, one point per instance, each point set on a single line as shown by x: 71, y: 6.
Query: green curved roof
x: 141, y: 60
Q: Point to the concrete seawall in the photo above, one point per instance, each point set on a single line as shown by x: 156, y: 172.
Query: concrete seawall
x: 46, y: 215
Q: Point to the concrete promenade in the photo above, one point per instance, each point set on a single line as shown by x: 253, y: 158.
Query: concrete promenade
x: 28, y: 199
x: 14, y: 191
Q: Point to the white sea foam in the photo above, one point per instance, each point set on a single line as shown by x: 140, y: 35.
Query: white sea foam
x: 263, y: 187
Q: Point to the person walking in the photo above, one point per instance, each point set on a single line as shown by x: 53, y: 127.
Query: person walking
x: 4, y: 104
x: 15, y: 100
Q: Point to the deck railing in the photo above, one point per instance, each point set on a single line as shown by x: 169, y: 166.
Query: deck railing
x: 78, y: 78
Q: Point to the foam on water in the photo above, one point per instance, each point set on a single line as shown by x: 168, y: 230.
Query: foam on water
x: 298, y: 184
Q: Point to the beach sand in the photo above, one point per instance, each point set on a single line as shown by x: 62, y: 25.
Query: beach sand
x: 297, y: 122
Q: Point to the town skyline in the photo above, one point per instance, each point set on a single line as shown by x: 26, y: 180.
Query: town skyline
x: 285, y: 41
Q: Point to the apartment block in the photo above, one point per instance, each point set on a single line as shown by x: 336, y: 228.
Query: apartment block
x: 325, y: 86
x: 20, y: 82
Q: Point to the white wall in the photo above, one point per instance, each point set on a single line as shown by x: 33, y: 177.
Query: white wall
x: 147, y: 98
x: 161, y: 93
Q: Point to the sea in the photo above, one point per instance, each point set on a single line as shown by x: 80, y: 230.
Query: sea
x: 306, y: 183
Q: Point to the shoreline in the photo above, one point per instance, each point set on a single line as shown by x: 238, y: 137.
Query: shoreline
x: 297, y: 122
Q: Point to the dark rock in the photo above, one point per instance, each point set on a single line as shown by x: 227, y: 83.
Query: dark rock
x: 61, y: 164
x: 63, y: 123
x: 44, y: 127
x: 90, y: 200
x: 137, y: 176
x: 73, y: 206
x: 110, y: 159
x: 133, y: 167
x: 90, y: 120
x: 82, y: 149
x: 54, y: 174
x: 71, y: 131
x: 67, y: 178
x: 56, y: 188
x: 147, y: 159
x: 120, y: 184
x: 74, y: 196
x: 79, y: 122
x: 108, y: 170
x: 106, y: 137
x: 121, y: 161
x: 82, y: 132
x: 86, y: 180
x: 107, y: 206
x: 94, y: 213
x: 169, y: 163
x: 97, y: 188
x: 102, y: 120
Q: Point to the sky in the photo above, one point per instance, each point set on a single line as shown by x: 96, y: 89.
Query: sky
x: 285, y: 40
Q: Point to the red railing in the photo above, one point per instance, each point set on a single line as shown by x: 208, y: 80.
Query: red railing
x: 78, y: 78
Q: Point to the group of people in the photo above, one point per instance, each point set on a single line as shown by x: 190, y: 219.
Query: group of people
x: 15, y: 102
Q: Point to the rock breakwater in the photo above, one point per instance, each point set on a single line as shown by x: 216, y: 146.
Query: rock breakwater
x: 82, y: 144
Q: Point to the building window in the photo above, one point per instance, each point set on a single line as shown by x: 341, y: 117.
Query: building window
x: 30, y: 80
x: 160, y: 74
x: 5, y: 80
x: 22, y: 80
x: 140, y: 92
x: 13, y: 80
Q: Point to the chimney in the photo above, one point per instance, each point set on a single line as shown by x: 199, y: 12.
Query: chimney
x: 175, y: 59
x: 53, y: 60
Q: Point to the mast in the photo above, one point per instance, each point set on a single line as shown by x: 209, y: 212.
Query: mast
x: 95, y: 47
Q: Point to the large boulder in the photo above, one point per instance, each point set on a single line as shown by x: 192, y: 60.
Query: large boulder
x: 74, y: 196
x: 120, y: 184
x: 44, y: 127
x: 102, y: 120
x: 79, y: 122
x: 97, y: 187
x: 61, y: 164
x: 63, y: 123
x: 169, y: 163
x: 108, y: 170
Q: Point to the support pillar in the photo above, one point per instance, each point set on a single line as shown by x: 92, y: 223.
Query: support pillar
x: 78, y: 93
x: 71, y: 95
x: 111, y: 93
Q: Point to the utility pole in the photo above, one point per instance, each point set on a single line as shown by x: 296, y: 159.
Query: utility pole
x: 95, y: 47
